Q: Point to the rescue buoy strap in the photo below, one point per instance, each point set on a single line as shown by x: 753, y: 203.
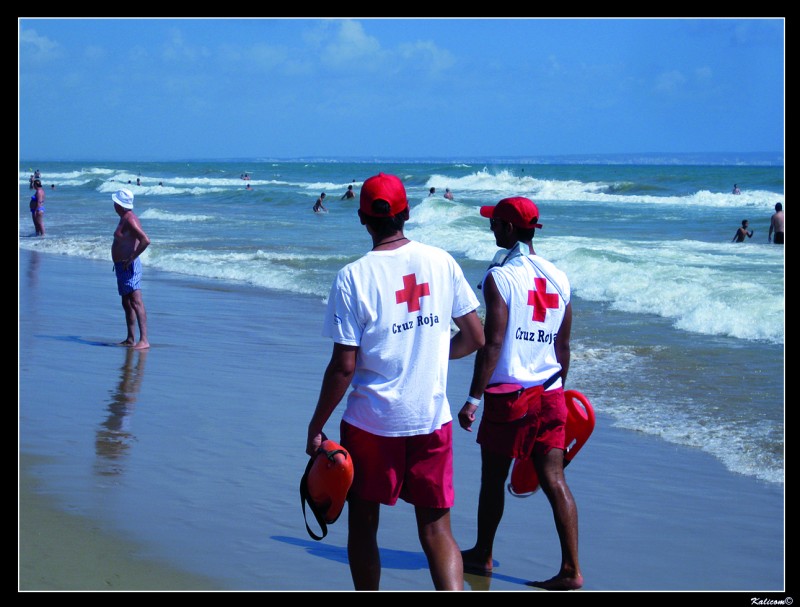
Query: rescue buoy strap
x: 304, y: 498
x: 330, y: 454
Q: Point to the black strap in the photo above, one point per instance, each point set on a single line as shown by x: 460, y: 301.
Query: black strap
x: 551, y: 381
x: 304, y: 497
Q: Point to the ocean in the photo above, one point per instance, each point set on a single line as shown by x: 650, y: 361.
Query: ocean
x: 678, y: 333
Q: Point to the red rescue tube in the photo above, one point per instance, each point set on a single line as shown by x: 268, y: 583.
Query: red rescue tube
x: 578, y: 429
x: 329, y: 480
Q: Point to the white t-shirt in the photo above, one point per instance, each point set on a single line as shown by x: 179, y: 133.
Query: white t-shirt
x: 537, y: 294
x: 396, y: 307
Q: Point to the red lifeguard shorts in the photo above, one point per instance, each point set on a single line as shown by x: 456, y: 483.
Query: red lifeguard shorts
x: 541, y: 429
x: 418, y: 469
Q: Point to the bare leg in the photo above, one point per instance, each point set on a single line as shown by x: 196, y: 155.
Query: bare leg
x: 38, y: 223
x: 362, y: 543
x: 130, y: 320
x: 141, y: 317
x: 550, y: 469
x: 491, y: 503
x: 440, y: 547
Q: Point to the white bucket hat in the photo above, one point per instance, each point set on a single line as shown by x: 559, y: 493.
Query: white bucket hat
x: 123, y: 198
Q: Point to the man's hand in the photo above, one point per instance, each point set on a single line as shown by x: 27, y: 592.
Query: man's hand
x: 467, y: 416
x: 314, y: 442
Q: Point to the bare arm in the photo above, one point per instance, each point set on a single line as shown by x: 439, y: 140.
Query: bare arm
x: 335, y: 383
x: 487, y: 357
x: 469, y: 337
x: 141, y: 237
x: 562, y: 347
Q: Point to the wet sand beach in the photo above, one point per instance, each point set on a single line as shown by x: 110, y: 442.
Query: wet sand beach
x: 177, y: 468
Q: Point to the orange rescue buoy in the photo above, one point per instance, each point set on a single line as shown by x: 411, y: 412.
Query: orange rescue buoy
x: 325, y: 483
x: 578, y: 429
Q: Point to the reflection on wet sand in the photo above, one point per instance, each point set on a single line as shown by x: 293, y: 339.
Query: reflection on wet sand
x: 114, y: 437
x: 477, y: 581
x: 33, y: 269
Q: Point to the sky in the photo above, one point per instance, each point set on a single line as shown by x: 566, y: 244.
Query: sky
x: 278, y: 88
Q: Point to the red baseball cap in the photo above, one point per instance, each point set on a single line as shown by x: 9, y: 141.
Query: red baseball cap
x: 383, y: 187
x: 518, y: 211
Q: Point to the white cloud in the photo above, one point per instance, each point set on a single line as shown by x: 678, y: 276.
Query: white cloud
x: 670, y: 82
x: 352, y: 48
x: 703, y: 74
x: 94, y: 52
x: 177, y: 49
x: 37, y: 48
x: 427, y: 56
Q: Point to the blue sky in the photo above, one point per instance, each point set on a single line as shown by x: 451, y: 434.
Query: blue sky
x: 167, y: 89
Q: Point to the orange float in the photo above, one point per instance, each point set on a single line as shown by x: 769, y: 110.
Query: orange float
x: 578, y: 429
x: 325, y: 483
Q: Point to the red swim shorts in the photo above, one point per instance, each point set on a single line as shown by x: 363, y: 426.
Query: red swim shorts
x: 418, y: 469
x: 541, y: 429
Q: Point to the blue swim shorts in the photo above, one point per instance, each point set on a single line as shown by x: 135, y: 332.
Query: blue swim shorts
x: 130, y: 279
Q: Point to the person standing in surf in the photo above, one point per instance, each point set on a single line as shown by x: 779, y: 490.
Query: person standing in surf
x: 37, y: 207
x: 776, y: 225
x: 130, y: 241
x: 318, y: 206
x: 742, y: 232
x: 527, y: 333
x: 389, y: 316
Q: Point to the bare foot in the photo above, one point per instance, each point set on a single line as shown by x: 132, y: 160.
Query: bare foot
x: 476, y: 561
x: 127, y: 342
x: 142, y: 345
x: 560, y: 582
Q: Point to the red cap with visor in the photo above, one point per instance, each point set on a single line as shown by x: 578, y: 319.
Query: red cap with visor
x: 518, y: 211
x: 383, y: 187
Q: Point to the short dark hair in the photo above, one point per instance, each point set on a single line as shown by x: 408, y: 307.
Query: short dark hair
x: 384, y: 226
x: 778, y: 206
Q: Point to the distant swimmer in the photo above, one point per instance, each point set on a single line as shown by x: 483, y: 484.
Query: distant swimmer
x: 247, y: 187
x: 736, y: 189
x: 318, y: 206
x: 348, y: 194
x: 432, y: 192
x: 37, y: 207
x: 776, y: 225
x: 448, y: 194
x: 742, y: 232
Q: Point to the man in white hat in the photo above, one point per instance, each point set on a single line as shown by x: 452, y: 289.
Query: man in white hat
x: 130, y: 241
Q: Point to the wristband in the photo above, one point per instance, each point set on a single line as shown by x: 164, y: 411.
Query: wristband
x: 473, y: 401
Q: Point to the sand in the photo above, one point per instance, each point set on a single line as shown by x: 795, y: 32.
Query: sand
x: 205, y: 495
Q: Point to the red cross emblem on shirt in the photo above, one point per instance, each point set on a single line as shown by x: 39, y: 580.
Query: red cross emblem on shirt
x: 541, y: 300
x: 411, y: 292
